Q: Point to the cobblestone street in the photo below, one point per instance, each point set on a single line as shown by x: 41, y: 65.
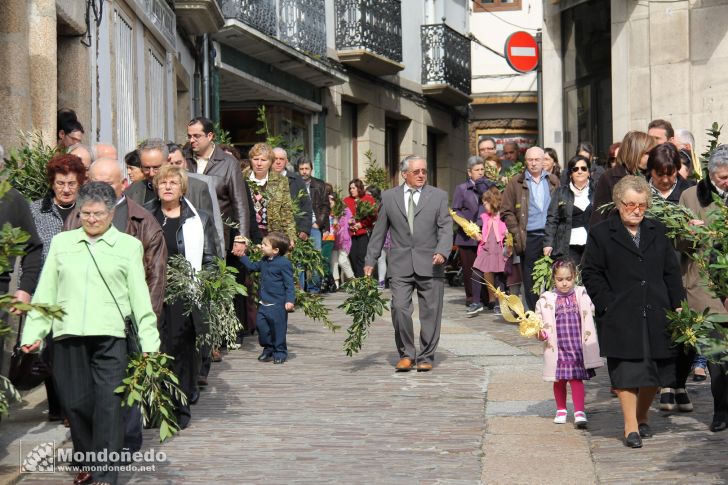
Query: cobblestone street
x: 326, y: 418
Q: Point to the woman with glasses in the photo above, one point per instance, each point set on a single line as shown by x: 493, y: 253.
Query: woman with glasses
x: 66, y: 173
x: 633, y: 278
x: 190, y: 233
x: 567, y: 221
x: 96, y: 274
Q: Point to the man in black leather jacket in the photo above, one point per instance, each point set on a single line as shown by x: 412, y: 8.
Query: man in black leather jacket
x: 208, y: 159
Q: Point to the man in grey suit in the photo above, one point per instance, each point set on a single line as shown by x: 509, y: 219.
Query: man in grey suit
x: 417, y: 218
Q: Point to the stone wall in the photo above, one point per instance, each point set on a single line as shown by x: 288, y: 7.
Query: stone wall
x: 668, y: 61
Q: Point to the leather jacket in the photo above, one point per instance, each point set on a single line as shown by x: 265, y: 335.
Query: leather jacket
x: 143, y: 226
x: 320, y: 203
x: 227, y: 177
x: 208, y: 227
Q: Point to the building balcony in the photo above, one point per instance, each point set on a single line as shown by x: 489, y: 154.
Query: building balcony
x: 199, y: 17
x: 158, y: 17
x: 369, y: 35
x: 289, y: 35
x: 445, y: 65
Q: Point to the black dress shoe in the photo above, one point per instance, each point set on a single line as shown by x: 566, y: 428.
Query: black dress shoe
x: 265, y: 357
x: 201, y: 381
x: 716, y: 426
x: 645, y: 430
x: 194, y: 397
x: 278, y: 361
x: 633, y: 440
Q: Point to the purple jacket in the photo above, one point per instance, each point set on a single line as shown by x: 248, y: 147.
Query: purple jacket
x: 465, y: 203
x: 343, y: 238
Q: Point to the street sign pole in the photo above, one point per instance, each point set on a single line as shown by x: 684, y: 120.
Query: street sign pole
x: 539, y: 93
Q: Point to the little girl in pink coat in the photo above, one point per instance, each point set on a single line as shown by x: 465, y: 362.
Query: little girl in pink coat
x: 571, y: 349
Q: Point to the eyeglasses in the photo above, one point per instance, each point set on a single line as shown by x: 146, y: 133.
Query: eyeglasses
x: 61, y: 185
x: 419, y: 171
x: 95, y: 215
x: 150, y: 169
x: 630, y: 206
x: 169, y: 183
x: 196, y: 136
x: 580, y: 168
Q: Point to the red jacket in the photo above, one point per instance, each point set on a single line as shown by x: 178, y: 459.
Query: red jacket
x: 368, y: 222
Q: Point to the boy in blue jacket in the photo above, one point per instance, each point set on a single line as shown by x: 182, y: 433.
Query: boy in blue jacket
x: 276, y: 295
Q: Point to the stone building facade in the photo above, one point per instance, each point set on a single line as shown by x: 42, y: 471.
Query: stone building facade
x: 611, y: 67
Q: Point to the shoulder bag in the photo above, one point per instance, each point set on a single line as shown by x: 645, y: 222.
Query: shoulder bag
x: 27, y: 370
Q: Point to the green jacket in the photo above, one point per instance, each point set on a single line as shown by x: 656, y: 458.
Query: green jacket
x: 70, y: 279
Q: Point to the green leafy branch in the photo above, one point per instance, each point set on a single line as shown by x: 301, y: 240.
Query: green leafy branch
x: 222, y: 136
x: 713, y: 135
x: 541, y: 275
x: 375, y: 174
x: 275, y: 141
x: 26, y: 166
x: 312, y: 306
x: 702, y: 331
x: 151, y: 385
x: 365, y: 209
x: 364, y: 305
x: 211, y: 291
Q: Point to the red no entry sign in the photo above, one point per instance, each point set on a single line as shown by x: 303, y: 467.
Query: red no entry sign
x: 521, y: 51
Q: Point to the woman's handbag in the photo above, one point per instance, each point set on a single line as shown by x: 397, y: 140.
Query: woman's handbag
x: 133, y: 346
x: 26, y: 370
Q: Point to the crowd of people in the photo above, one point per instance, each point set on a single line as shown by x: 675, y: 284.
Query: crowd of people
x: 102, y: 238
x: 632, y: 272
x: 104, y: 227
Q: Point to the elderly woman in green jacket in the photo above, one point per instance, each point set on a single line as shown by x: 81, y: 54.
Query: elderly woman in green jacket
x: 90, y: 352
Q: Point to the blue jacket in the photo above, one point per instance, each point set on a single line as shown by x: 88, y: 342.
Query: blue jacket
x: 276, y: 279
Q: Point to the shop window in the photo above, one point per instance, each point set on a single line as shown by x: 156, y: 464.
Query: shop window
x: 495, y: 5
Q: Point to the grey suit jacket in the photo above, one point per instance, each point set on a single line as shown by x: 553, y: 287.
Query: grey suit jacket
x: 412, y: 254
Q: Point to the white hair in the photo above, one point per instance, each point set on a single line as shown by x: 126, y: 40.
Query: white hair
x: 684, y: 136
x: 404, y: 164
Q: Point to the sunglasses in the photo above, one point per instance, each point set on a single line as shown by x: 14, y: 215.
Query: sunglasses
x: 579, y: 169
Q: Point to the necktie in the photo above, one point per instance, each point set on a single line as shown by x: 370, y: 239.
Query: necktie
x: 411, y: 210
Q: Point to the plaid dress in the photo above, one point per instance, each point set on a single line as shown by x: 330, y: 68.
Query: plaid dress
x: 570, y: 362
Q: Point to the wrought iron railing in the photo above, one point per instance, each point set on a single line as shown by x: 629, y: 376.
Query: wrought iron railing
x: 373, y: 25
x: 445, y: 57
x: 298, y: 23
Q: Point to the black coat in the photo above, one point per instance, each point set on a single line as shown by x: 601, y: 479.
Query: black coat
x: 628, y: 284
x: 558, y: 220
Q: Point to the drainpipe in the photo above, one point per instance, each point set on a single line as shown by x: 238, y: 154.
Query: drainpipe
x: 206, y: 76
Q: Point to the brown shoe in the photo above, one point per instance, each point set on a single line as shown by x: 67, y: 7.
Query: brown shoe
x: 424, y: 367
x: 83, y: 477
x: 216, y: 356
x: 404, y: 365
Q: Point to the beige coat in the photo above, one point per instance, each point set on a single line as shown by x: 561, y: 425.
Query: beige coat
x: 546, y: 309
x: 699, y: 200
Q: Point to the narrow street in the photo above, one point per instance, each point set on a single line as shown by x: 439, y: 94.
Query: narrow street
x: 325, y: 418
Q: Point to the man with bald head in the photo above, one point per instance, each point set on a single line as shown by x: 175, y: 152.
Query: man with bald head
x: 82, y: 152
x: 105, y: 150
x: 525, y: 205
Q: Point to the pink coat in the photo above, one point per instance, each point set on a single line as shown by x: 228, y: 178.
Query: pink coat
x: 546, y: 309
x: 499, y: 227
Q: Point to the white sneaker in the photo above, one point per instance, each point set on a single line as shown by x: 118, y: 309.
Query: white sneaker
x: 560, y: 416
x: 580, y: 419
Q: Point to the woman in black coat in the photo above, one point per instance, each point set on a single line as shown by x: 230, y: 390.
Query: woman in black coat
x: 633, y: 278
x: 571, y: 206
